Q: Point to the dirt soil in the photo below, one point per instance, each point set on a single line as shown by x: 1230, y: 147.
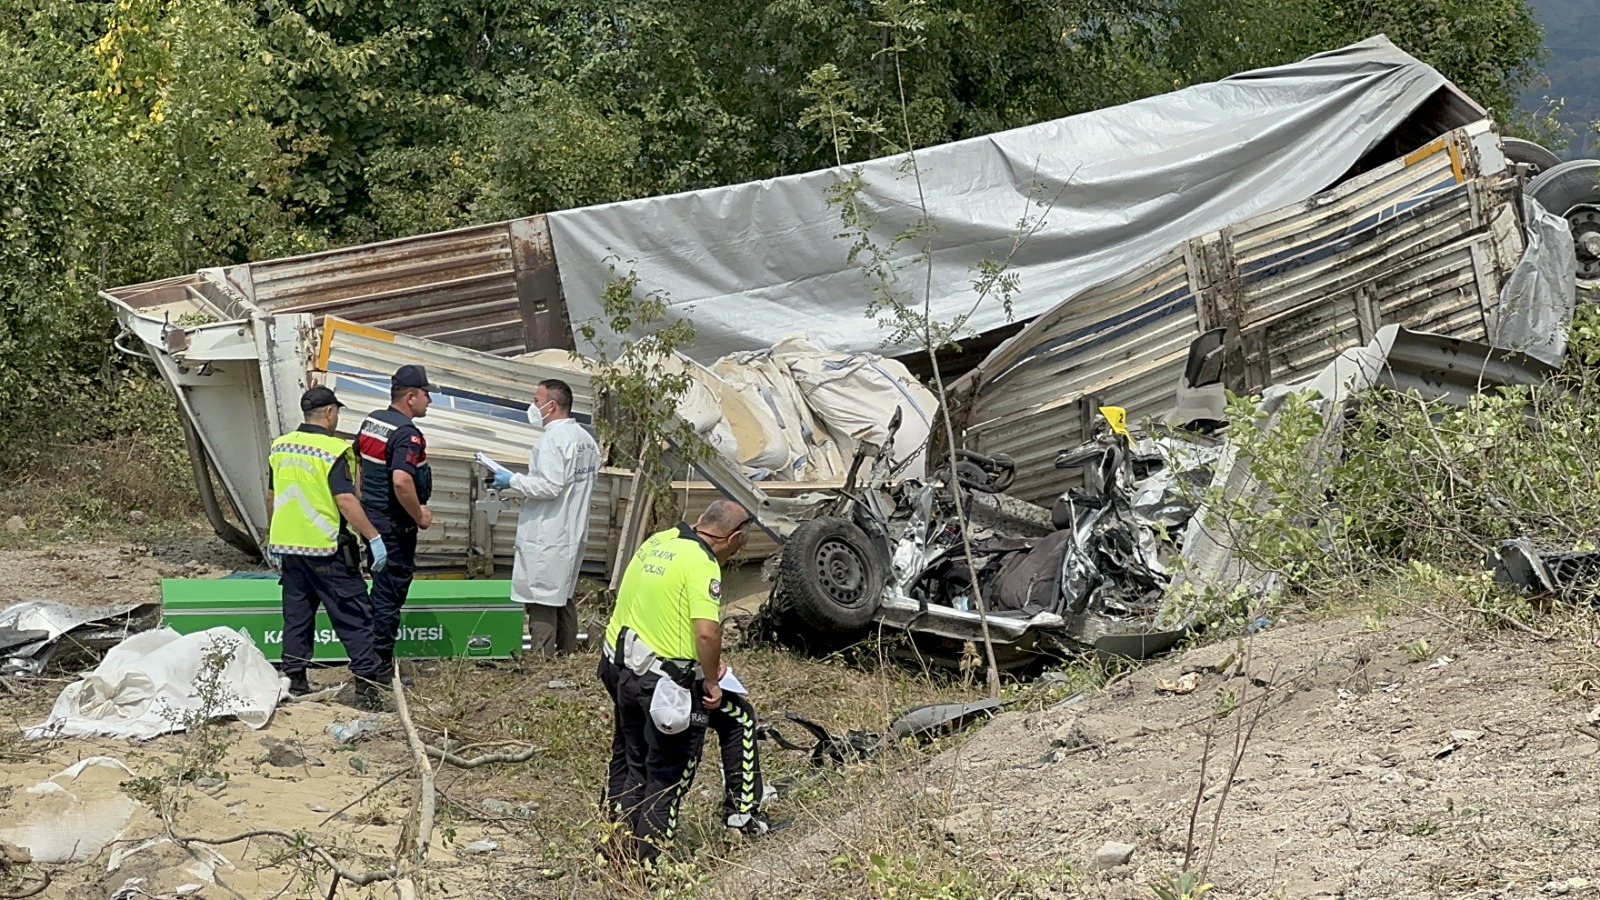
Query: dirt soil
x: 106, y: 573
x: 1373, y: 772
x: 1379, y: 767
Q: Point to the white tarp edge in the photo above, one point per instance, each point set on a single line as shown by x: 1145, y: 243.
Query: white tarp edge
x: 146, y: 686
x: 755, y: 262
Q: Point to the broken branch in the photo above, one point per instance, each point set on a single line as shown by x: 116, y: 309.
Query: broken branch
x: 483, y: 760
x: 425, y: 790
x: 360, y: 879
x: 33, y: 891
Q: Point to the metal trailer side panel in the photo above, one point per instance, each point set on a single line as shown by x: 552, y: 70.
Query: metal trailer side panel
x: 1421, y: 241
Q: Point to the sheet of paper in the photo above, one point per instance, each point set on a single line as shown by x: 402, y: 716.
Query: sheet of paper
x: 487, y: 461
x: 731, y: 682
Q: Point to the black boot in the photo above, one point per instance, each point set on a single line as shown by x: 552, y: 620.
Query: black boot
x: 298, y: 686
x: 386, y: 657
x: 370, y: 697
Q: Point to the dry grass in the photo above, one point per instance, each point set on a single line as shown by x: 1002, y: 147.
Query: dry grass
x: 88, y: 491
x: 561, y: 707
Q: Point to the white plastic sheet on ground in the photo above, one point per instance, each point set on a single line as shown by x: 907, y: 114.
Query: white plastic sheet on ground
x: 753, y: 262
x: 145, y: 687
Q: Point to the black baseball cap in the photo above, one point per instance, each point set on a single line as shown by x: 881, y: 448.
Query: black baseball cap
x: 413, y: 377
x: 317, y: 398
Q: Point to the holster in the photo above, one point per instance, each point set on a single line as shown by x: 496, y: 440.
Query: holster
x: 350, y: 550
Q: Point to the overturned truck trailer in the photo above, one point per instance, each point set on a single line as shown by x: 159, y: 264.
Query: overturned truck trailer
x: 1429, y: 241
x: 1394, y: 204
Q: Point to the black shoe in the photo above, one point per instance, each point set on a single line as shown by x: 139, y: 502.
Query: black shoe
x: 370, y: 697
x: 386, y: 657
x: 754, y: 824
x: 298, y: 686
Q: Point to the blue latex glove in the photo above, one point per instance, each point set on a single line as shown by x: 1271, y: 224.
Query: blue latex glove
x: 502, y: 479
x: 380, y: 554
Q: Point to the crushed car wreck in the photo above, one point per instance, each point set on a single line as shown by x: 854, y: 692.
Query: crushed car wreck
x: 1089, y: 576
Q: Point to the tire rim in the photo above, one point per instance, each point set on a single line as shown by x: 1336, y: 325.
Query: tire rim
x: 1584, y: 220
x: 841, y: 572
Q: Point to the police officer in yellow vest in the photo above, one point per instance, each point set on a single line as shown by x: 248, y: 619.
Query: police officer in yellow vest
x: 313, y: 501
x: 734, y: 722
x: 667, y: 638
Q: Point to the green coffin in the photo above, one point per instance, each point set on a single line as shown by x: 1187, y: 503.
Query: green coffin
x: 441, y: 617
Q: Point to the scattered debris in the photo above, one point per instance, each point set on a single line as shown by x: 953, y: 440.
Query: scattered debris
x: 1465, y: 735
x: 16, y: 525
x: 939, y: 719
x: 1517, y: 562
x: 1113, y: 854
x: 479, y: 848
x: 1186, y: 684
x: 32, y: 631
x: 1072, y: 735
x: 137, y: 517
x: 356, y: 730
x: 286, y: 754
x: 506, y: 810
x: 559, y: 685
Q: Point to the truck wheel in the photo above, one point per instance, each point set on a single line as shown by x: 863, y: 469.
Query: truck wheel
x: 1572, y: 191
x: 1530, y: 154
x: 832, y: 580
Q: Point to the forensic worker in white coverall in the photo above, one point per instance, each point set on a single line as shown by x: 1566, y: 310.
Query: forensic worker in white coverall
x: 554, y: 524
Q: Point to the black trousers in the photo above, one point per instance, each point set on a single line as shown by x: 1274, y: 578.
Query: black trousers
x: 326, y: 580
x: 390, y: 587
x: 660, y: 767
x: 735, y: 724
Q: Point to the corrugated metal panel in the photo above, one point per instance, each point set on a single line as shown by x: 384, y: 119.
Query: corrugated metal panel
x: 1353, y: 205
x: 1422, y: 269
x: 474, y: 383
x: 1107, y: 330
x: 465, y: 418
x: 491, y: 288
x: 1121, y: 344
x: 1409, y: 242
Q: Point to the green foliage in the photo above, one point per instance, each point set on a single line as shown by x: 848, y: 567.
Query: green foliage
x: 140, y: 139
x: 1186, y: 886
x: 642, y: 381
x: 1425, y: 483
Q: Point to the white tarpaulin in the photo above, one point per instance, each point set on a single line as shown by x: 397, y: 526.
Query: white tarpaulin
x: 1537, y: 300
x: 856, y: 394
x: 146, y: 686
x: 754, y: 262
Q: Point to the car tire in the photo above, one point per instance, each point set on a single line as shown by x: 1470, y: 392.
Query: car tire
x: 832, y: 581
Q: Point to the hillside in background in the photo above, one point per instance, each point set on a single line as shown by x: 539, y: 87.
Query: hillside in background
x: 1572, y: 32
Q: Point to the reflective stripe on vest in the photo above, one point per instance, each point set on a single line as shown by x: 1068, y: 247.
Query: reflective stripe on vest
x: 305, y: 516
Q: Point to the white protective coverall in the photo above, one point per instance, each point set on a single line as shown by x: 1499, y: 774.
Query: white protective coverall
x: 554, y: 523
